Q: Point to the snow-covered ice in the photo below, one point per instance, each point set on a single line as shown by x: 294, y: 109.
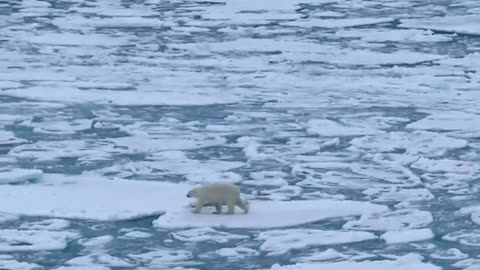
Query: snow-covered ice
x: 84, y: 197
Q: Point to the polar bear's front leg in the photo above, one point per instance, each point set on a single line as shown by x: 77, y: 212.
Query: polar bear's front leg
x: 199, y: 206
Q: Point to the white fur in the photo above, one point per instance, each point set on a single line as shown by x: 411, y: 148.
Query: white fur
x: 218, y: 194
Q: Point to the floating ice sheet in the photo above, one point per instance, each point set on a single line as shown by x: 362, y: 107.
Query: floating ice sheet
x: 7, y: 137
x: 405, y: 236
x: 462, y: 24
x: 34, y: 240
x: 281, y: 241
x: 91, y: 197
x: 407, y: 262
x: 123, y: 98
x: 391, y: 220
x: 19, y: 175
x: 268, y: 214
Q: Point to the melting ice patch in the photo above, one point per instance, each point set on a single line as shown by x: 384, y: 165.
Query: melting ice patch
x: 268, y: 214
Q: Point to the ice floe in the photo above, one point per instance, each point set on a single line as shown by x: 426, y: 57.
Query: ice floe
x: 407, y: 262
x: 48, y: 225
x: 405, y: 236
x: 461, y: 24
x: 324, y: 127
x: 393, y: 35
x: 83, y: 197
x: 14, y: 176
x: 269, y: 214
x: 206, y: 234
x: 163, y: 257
x: 12, y: 264
x: 281, y: 241
x: 236, y: 253
x: 34, y: 240
x: 415, y: 143
x: 464, y: 237
x: 449, y: 254
x: 7, y: 137
x: 125, y: 98
x: 403, y: 219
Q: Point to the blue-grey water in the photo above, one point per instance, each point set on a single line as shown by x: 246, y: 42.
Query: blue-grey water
x: 350, y: 100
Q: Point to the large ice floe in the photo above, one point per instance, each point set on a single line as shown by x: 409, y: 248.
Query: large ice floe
x: 84, y: 197
x: 269, y: 214
x: 90, y: 197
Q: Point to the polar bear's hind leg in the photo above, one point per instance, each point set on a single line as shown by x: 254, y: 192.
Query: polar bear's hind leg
x: 218, y: 208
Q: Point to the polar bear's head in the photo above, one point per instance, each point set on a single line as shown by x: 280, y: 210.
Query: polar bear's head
x: 192, y: 193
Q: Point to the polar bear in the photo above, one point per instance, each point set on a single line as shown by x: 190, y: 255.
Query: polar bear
x: 218, y: 194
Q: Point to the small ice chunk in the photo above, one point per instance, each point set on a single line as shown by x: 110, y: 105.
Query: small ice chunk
x: 405, y: 236
x: 327, y: 255
x: 449, y: 254
x: 206, y: 234
x: 281, y: 241
x: 135, y: 235
x: 19, y: 175
x: 96, y: 242
x: 162, y: 257
x: 236, y: 253
x: 34, y: 240
x: 464, y: 237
